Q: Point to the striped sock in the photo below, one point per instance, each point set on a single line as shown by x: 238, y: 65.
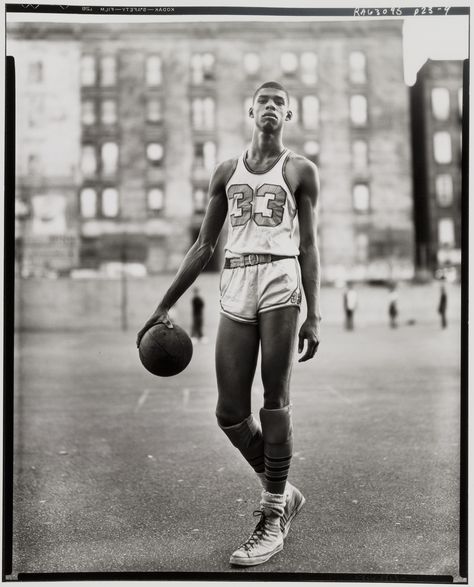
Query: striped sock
x: 278, y: 447
x: 247, y: 437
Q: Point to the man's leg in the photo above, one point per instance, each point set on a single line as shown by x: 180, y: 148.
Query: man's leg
x: 278, y: 330
x: 236, y: 359
x: 278, y: 339
x: 277, y: 335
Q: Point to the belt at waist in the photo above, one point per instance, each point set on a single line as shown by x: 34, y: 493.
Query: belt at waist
x: 253, y: 259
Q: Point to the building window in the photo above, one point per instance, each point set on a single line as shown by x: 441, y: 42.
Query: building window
x: 88, y: 160
x: 108, y: 112
x: 358, y: 108
x: 440, y: 103
x: 199, y: 155
x: 203, y: 113
x: 34, y: 164
x: 109, y: 158
x: 110, y: 203
x: 309, y: 67
x: 294, y: 107
x: 446, y: 232
x: 442, y: 147
x: 361, y: 197
x: 310, y: 107
x: 360, y: 156
x: 205, y: 155
x: 153, y: 71
x: 108, y: 71
x: 153, y: 110
x: 199, y: 198
x: 444, y: 189
x: 460, y: 97
x: 202, y: 67
x: 88, y: 203
x: 155, y: 199
x: 154, y: 153
x: 88, y: 70
x: 289, y: 63
x: 311, y: 150
x: 35, y: 72
x: 251, y: 63
x: 357, y: 67
x: 88, y: 112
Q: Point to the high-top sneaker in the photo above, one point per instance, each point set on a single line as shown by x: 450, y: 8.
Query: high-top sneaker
x: 294, y: 502
x: 265, y: 541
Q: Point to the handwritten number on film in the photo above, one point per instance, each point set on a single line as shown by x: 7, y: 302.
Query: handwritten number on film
x: 406, y: 11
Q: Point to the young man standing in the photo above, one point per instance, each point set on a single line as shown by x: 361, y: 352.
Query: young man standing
x: 267, y: 192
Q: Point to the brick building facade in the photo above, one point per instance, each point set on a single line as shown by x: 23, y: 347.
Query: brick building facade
x: 148, y: 110
x: 436, y: 105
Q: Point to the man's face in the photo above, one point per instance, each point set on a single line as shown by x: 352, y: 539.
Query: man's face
x: 270, y: 109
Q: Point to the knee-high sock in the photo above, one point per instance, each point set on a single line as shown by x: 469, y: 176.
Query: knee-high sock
x: 247, y: 437
x: 278, y: 446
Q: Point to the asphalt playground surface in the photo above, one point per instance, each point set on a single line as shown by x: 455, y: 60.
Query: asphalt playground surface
x: 118, y: 470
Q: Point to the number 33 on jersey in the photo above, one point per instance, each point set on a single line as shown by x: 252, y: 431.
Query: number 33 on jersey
x: 262, y: 210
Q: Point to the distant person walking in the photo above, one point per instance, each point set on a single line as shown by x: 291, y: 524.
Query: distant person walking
x: 393, y: 305
x: 443, y: 304
x: 350, y: 304
x: 197, y: 305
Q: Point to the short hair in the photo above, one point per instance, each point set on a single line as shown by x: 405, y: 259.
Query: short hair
x: 276, y: 85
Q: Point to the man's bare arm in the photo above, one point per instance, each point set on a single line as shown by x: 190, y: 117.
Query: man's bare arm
x: 306, y: 195
x: 200, y: 253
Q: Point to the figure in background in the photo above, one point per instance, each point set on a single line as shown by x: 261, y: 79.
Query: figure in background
x: 350, y: 304
x: 393, y: 305
x: 443, y: 303
x: 197, y: 305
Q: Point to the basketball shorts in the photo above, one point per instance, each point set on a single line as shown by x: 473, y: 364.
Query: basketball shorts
x: 246, y: 292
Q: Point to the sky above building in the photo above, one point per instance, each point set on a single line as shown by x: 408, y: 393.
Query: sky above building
x: 435, y: 37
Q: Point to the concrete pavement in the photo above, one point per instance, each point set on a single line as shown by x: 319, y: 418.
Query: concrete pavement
x: 117, y: 470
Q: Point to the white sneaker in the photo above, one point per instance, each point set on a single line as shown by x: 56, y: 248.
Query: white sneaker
x: 265, y: 541
x: 294, y: 502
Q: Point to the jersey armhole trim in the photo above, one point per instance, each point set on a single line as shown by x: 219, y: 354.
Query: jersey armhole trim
x: 290, y: 191
x: 231, y: 174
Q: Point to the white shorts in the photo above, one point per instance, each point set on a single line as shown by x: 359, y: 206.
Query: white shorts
x: 249, y: 291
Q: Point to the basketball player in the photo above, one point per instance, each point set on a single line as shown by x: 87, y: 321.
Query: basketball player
x: 266, y: 192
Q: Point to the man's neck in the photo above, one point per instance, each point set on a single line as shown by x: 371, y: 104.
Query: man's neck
x: 265, y: 145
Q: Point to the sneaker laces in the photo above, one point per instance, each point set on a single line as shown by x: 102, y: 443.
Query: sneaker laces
x: 259, y: 532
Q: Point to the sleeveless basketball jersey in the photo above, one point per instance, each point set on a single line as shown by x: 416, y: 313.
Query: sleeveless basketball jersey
x: 262, y: 210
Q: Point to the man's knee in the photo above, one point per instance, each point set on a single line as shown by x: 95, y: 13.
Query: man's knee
x: 229, y: 415
x: 275, y: 402
x: 276, y: 396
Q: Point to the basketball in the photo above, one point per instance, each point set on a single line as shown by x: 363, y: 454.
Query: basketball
x: 165, y: 351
